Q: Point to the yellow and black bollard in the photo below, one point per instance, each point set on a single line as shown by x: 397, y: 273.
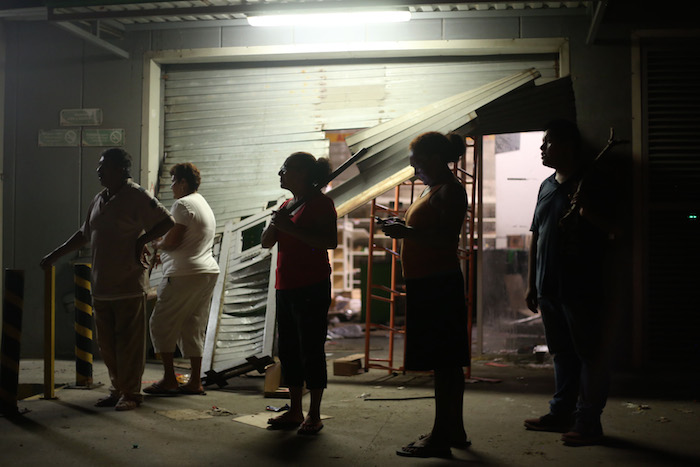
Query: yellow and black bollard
x: 83, y: 326
x: 11, y: 338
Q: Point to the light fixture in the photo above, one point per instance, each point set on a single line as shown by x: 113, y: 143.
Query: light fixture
x: 330, y: 19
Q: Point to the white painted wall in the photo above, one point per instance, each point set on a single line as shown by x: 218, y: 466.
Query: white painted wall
x: 518, y: 178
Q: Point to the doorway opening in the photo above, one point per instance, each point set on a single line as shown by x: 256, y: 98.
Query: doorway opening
x: 512, y: 174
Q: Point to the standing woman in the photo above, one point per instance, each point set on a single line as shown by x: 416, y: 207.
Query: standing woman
x: 436, y: 312
x: 190, y: 271
x: 303, y: 286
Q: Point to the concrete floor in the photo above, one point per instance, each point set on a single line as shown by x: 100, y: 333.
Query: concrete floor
x: 646, y: 422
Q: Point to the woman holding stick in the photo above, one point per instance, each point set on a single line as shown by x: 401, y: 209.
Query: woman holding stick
x: 303, y: 285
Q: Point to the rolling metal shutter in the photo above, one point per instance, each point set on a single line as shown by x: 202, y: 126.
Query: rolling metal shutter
x: 238, y: 123
x: 671, y: 94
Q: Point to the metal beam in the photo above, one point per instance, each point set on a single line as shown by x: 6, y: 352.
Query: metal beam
x: 34, y: 13
x: 88, y: 36
x: 595, y: 22
x: 56, y: 13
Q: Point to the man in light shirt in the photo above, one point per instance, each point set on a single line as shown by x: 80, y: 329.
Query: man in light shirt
x: 121, y: 220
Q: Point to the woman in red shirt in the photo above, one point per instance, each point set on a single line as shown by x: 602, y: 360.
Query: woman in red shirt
x: 303, y: 285
x: 436, y: 312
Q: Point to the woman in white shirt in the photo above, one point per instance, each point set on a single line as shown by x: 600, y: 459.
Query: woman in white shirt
x: 189, y: 275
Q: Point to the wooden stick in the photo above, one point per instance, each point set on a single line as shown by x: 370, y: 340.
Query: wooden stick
x: 293, y: 205
x: 575, y: 206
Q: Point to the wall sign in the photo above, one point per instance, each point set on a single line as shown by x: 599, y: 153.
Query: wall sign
x: 59, y: 138
x: 81, y: 117
x: 103, y: 137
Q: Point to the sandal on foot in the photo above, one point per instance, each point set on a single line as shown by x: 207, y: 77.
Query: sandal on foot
x: 190, y: 392
x: 424, y: 451
x: 310, y: 428
x: 459, y: 444
x: 109, y: 401
x: 279, y: 423
x: 156, y: 389
x: 126, y: 404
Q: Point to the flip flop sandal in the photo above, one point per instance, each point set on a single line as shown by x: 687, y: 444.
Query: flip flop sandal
x: 308, y: 429
x: 411, y: 450
x: 276, y: 424
x: 455, y: 444
x: 156, y: 389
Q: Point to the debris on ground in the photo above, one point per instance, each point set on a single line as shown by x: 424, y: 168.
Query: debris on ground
x: 637, y: 407
x: 219, y: 412
x: 349, y: 331
x: 185, y: 414
x: 272, y: 408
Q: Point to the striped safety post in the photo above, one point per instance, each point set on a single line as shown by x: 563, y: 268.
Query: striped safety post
x: 83, y: 325
x: 13, y: 302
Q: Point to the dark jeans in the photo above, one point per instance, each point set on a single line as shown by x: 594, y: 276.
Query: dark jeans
x: 302, y: 322
x: 574, y: 333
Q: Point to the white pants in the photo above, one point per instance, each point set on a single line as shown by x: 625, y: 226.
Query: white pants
x: 181, y: 313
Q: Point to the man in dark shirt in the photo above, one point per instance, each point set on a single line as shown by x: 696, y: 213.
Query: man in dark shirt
x: 566, y: 283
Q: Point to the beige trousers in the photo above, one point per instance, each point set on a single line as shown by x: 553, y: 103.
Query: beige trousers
x: 121, y: 336
x: 181, y: 314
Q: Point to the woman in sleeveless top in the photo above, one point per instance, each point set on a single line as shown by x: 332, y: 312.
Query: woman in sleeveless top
x: 436, y: 312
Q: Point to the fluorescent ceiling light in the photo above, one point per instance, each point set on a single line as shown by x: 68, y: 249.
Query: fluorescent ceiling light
x: 330, y: 19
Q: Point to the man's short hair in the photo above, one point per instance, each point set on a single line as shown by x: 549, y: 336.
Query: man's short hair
x: 566, y: 130
x: 120, y: 158
x: 189, y: 172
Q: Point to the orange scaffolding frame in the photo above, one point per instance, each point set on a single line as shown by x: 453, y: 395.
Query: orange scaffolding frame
x: 466, y: 253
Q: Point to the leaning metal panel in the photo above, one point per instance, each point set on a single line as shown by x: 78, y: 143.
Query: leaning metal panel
x: 242, y: 314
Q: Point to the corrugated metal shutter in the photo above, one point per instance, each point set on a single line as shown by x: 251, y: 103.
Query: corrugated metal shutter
x: 386, y: 164
x: 671, y: 96
x: 238, y: 123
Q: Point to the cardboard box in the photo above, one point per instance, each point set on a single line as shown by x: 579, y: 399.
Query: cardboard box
x: 348, y: 366
x: 274, y: 385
